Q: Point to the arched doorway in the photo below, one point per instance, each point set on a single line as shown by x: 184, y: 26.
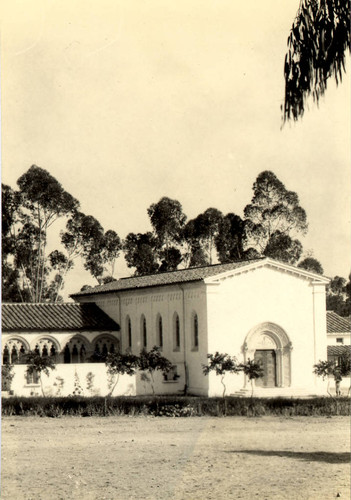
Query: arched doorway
x: 269, y: 345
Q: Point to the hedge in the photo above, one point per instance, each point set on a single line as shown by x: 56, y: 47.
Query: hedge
x: 173, y: 406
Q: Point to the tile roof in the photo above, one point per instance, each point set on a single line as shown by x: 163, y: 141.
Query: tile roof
x: 337, y: 324
x: 338, y: 350
x: 63, y: 317
x: 168, y: 278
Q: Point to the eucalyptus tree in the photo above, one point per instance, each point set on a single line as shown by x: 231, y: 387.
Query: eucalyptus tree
x: 311, y: 264
x: 317, y: 44
x: 273, y: 218
x: 141, y: 252
x: 168, y: 220
x: 230, y: 239
x: 29, y: 274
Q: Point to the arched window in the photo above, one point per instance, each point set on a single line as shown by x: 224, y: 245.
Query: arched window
x: 159, y: 327
x: 46, y: 347
x: 74, y: 351
x: 129, y: 332
x: 5, y: 356
x: 195, y: 333
x: 176, y: 332
x: 14, y: 352
x: 105, y: 345
x: 143, y: 332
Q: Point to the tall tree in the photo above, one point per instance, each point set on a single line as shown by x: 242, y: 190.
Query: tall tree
x: 167, y: 219
x: 29, y: 274
x: 231, y: 238
x: 338, y: 296
x: 44, y: 200
x: 318, y: 40
x: 84, y: 237
x: 141, y: 252
x: 272, y: 218
x: 200, y: 235
x: 311, y: 264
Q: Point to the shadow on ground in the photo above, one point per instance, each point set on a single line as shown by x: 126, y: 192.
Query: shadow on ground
x: 308, y: 456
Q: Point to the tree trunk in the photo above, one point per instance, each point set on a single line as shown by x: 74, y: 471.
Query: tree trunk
x: 224, y: 387
x: 113, y: 388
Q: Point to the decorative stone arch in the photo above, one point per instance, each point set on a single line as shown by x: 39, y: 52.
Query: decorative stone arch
x: 46, y: 345
x: 271, y: 337
x: 103, y: 345
x: 13, y: 348
x: 77, y: 349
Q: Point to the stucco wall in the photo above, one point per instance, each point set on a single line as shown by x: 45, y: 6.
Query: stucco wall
x: 51, y: 384
x: 242, y: 302
x: 166, y: 301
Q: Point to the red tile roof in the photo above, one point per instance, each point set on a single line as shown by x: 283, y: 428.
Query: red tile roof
x: 169, y: 278
x: 337, y: 324
x: 62, y: 317
x: 338, y: 350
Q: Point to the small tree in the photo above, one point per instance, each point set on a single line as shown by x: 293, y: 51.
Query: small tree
x: 252, y: 370
x: 324, y: 369
x: 120, y: 364
x: 150, y: 361
x: 36, y: 365
x: 221, y: 364
x: 6, y: 376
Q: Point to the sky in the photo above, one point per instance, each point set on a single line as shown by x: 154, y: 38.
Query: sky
x: 126, y: 101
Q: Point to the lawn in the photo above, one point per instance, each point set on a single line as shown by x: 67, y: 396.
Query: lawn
x: 145, y: 458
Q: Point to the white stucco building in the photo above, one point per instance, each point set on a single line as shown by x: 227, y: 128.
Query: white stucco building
x: 258, y: 309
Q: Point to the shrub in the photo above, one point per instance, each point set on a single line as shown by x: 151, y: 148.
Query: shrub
x: 172, y: 406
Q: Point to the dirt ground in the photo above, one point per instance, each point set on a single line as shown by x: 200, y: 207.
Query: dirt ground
x: 145, y: 458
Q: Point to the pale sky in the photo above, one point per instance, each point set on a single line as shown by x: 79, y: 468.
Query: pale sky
x: 128, y: 101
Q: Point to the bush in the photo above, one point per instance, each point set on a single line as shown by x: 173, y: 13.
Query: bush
x: 172, y: 406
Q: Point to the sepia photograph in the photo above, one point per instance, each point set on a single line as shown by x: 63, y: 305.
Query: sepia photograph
x: 176, y: 235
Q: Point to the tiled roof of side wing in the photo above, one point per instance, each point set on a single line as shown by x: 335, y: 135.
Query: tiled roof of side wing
x: 169, y: 278
x: 63, y: 317
x: 336, y: 323
x: 338, y: 350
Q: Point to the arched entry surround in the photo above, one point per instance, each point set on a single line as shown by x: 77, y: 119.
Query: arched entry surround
x: 271, y: 337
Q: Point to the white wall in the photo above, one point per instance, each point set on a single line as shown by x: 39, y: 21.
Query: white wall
x: 331, y: 339
x: 126, y: 384
x: 240, y: 303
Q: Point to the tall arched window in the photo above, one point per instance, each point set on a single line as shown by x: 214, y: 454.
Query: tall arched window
x: 129, y: 332
x: 176, y: 332
x: 143, y: 332
x: 195, y: 333
x: 159, y: 327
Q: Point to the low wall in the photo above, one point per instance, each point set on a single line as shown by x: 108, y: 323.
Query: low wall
x: 70, y: 379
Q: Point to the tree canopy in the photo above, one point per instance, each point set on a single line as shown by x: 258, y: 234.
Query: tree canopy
x: 318, y: 41
x: 29, y: 274
x: 272, y: 218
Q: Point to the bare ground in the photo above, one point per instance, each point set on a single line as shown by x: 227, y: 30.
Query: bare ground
x: 145, y: 458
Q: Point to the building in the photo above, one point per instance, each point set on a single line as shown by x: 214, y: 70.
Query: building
x: 338, y: 342
x: 258, y: 309
x: 77, y: 336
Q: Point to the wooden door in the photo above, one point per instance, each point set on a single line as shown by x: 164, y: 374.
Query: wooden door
x: 266, y: 358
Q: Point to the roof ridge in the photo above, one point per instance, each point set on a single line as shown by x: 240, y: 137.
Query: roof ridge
x: 186, y: 269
